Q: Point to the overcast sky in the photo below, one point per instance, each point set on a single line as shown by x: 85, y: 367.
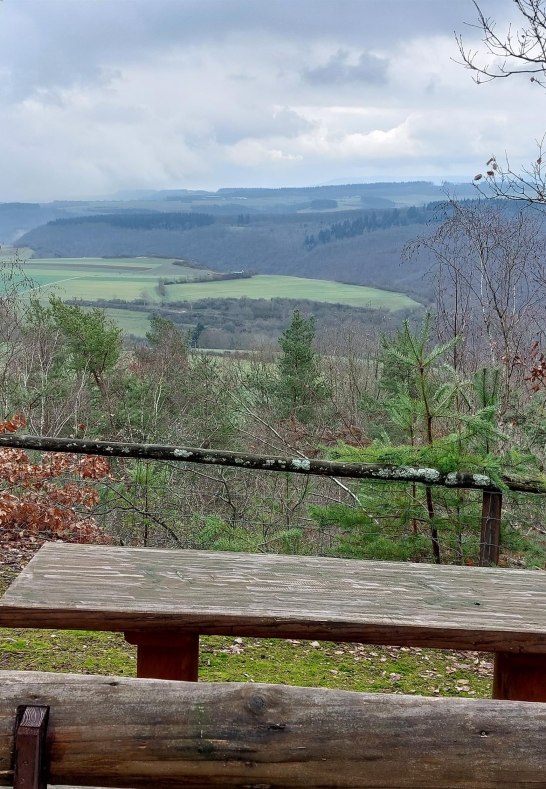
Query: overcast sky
x: 106, y: 95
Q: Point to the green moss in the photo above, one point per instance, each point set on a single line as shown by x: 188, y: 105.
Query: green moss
x: 312, y: 664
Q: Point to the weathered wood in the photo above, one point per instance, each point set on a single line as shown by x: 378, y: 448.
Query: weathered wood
x: 519, y: 677
x: 296, y: 465
x: 108, y: 731
x: 30, y: 748
x: 105, y: 588
x: 166, y: 655
x: 490, y: 528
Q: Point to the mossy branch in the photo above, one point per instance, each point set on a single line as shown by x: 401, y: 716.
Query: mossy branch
x: 377, y: 471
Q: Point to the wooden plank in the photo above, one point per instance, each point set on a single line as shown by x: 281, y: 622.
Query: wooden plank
x: 111, y: 731
x: 166, y: 655
x: 105, y: 588
x: 520, y: 677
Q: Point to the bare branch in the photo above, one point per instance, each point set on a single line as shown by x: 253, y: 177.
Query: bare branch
x: 518, y: 52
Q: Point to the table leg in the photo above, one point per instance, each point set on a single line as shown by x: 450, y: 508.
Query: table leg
x: 519, y: 676
x: 166, y: 655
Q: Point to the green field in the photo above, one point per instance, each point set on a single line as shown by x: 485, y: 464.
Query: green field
x: 138, y: 278
x: 272, y: 286
x: 132, y: 322
x: 106, y: 278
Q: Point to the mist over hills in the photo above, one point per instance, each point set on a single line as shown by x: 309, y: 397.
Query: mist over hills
x: 349, y: 233
x: 414, y: 192
x: 352, y: 233
x: 16, y: 219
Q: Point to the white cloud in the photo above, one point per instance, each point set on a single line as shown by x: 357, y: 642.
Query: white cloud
x: 112, y: 94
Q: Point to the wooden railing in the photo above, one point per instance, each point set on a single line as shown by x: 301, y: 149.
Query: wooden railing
x: 119, y: 732
x: 492, y: 494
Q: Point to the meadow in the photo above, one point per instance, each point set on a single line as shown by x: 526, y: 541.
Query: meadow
x: 106, y: 278
x: 152, y: 280
x: 135, y: 278
x: 276, y: 286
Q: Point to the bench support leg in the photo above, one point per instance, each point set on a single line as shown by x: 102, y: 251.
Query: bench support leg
x: 519, y: 677
x: 29, y: 748
x: 166, y: 655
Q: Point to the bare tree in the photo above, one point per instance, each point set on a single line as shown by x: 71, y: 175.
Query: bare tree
x: 518, y: 51
x: 488, y: 263
x: 13, y: 283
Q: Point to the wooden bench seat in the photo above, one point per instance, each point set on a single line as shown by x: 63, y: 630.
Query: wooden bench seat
x: 163, y: 600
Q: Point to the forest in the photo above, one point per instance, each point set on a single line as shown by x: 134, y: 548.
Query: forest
x: 243, y: 324
x: 357, y: 246
x: 460, y: 389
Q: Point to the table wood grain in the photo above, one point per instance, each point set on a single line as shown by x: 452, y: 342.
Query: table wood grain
x: 147, y: 590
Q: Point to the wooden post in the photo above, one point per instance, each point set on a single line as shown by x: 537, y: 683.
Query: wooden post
x: 519, y: 676
x: 29, y: 748
x: 490, y: 528
x: 166, y: 655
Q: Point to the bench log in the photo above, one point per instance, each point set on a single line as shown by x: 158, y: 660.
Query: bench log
x: 112, y: 731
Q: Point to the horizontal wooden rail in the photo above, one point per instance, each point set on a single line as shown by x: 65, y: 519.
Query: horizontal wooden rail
x: 111, y: 731
x: 296, y: 465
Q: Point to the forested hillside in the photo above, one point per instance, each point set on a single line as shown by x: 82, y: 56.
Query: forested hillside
x: 245, y: 324
x: 18, y: 218
x: 360, y: 247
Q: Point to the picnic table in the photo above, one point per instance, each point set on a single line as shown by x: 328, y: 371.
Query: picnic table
x: 162, y: 600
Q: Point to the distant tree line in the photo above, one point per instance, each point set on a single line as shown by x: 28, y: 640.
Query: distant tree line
x: 220, y: 277
x: 367, y: 223
x: 143, y: 221
x: 244, y: 323
x: 333, y: 190
x: 243, y: 219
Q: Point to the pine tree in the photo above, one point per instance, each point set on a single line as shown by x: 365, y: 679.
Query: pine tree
x: 301, y: 392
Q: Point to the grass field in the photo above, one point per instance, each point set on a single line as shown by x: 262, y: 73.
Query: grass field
x: 133, y: 323
x: 136, y: 278
x: 140, y: 277
x: 106, y: 278
x: 271, y: 286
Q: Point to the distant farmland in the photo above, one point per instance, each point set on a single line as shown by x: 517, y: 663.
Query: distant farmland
x: 154, y: 280
x: 139, y: 278
x: 106, y: 278
x: 273, y: 286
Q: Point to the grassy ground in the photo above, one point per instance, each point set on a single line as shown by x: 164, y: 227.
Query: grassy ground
x: 132, y: 278
x: 132, y: 322
x: 290, y: 662
x: 106, y: 278
x: 272, y: 286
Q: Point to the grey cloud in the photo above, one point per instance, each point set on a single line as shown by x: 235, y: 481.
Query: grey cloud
x: 64, y: 42
x: 283, y: 123
x: 165, y: 90
x: 288, y: 123
x: 340, y: 70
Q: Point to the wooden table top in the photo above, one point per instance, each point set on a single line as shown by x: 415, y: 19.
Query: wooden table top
x: 104, y: 588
